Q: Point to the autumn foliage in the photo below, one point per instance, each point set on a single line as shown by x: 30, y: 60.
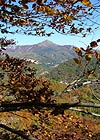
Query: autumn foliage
x: 88, y: 54
x: 35, y: 17
x: 29, y: 108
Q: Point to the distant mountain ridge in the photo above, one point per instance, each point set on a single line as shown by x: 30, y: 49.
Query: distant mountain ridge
x: 46, y: 53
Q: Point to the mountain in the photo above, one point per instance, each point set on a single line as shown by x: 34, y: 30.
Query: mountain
x: 46, y: 53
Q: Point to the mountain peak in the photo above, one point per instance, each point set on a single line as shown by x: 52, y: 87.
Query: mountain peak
x: 47, y: 43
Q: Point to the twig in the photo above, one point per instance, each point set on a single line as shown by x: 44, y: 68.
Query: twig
x: 95, y: 95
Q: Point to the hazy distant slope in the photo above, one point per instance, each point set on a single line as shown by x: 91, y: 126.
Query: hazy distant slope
x: 46, y: 52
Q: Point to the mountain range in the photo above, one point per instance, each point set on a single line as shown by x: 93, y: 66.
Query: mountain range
x: 45, y: 53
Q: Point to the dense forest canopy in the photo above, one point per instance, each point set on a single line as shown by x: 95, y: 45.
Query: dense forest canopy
x: 26, y: 96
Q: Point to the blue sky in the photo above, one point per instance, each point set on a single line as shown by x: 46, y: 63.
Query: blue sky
x: 56, y: 38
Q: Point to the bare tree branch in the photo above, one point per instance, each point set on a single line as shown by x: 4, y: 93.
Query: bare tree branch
x: 88, y: 105
x: 78, y: 83
x: 17, y: 132
x: 86, y: 112
x: 97, y: 98
x: 7, y: 107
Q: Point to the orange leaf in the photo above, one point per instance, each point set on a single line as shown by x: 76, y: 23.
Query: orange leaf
x: 77, y: 61
x: 88, y: 57
x: 78, y: 51
x: 97, y: 54
x: 87, y: 3
x: 91, y: 75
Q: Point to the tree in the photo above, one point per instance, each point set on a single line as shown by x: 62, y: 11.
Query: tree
x: 22, y: 90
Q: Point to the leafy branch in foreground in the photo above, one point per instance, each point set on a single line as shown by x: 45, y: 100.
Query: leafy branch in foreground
x: 33, y: 17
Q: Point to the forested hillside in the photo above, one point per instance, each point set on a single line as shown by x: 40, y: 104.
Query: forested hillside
x: 69, y: 71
